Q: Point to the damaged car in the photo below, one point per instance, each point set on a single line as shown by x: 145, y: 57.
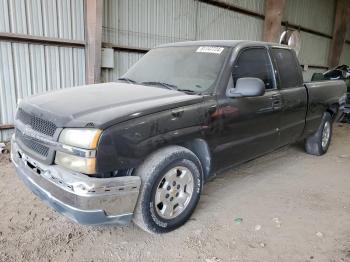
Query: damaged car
x: 141, y: 149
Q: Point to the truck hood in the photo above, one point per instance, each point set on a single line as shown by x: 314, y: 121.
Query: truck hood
x: 103, y: 105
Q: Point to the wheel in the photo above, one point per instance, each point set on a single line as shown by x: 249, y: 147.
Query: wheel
x: 318, y: 143
x: 171, y: 183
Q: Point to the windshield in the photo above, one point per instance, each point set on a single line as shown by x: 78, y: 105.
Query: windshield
x: 190, y: 68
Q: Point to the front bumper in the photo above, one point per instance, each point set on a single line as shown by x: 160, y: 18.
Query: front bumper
x: 83, y: 199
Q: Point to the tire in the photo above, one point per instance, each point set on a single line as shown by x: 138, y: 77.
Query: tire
x: 318, y: 143
x: 167, y: 168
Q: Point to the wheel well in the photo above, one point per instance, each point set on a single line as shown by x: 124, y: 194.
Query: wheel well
x: 333, y: 110
x: 201, y: 149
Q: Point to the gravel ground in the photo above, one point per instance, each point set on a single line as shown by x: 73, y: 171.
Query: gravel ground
x: 286, y: 206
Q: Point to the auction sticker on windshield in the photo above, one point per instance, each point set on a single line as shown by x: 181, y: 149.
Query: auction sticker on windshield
x: 210, y: 49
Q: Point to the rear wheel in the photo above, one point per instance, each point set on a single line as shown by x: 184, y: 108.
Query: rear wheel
x: 171, y: 185
x: 318, y: 143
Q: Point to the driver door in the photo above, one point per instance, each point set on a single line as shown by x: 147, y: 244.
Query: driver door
x: 249, y: 126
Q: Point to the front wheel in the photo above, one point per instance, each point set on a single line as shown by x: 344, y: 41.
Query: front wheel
x: 171, y: 185
x: 318, y: 143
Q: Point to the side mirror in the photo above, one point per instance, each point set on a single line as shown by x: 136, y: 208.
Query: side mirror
x: 247, y: 87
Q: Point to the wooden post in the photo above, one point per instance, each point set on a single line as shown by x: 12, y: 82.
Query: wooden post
x: 273, y: 19
x: 93, y: 22
x: 342, y: 13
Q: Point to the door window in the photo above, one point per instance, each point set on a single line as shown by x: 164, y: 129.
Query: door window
x: 288, y: 68
x: 254, y: 62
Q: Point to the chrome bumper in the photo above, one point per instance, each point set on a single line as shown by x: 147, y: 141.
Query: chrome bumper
x: 85, y: 200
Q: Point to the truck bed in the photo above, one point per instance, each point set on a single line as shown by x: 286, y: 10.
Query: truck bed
x: 322, y: 95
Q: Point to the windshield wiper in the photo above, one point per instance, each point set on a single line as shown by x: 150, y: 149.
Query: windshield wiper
x: 188, y: 91
x: 166, y: 85
x: 130, y: 81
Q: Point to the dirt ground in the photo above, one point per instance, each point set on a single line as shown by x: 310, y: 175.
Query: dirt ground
x: 286, y: 206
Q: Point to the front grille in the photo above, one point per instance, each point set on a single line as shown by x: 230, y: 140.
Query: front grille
x: 32, y: 145
x: 43, y: 126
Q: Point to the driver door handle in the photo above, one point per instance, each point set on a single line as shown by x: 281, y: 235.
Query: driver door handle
x: 276, y: 101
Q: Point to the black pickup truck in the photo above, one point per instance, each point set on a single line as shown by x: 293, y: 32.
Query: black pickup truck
x: 141, y: 149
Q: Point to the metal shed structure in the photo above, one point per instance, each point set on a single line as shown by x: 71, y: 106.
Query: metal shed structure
x: 52, y: 44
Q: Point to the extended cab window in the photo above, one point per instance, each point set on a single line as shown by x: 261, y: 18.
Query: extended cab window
x: 254, y: 62
x: 288, y: 68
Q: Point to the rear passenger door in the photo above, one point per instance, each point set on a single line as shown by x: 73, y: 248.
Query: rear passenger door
x: 293, y: 94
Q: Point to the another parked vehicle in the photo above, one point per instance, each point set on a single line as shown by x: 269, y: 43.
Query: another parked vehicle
x: 141, y: 149
x: 338, y: 73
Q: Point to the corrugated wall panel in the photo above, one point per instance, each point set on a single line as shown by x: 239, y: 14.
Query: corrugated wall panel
x: 78, y: 30
x: 66, y: 66
x: 315, y: 14
x: 38, y: 68
x: 122, y: 62
x: 4, y: 16
x: 50, y: 18
x: 314, y: 49
x: 64, y: 19
x: 345, y: 56
x: 147, y: 23
x: 35, y: 18
x: 79, y: 66
x: 253, y: 5
x: 28, y: 69
x: 53, y: 79
x: 218, y: 23
x: 5, y: 135
x: 17, y: 14
x: 22, y: 70
x: 7, y: 84
x: 110, y: 21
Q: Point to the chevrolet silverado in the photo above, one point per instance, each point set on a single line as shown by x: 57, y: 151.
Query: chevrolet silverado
x: 141, y: 148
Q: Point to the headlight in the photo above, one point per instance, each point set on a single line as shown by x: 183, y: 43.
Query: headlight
x: 86, y: 138
x: 76, y: 163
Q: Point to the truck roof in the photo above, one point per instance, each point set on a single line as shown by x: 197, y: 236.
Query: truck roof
x: 228, y: 43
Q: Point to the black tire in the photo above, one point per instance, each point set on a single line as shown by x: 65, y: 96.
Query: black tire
x: 151, y: 172
x: 313, y: 144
